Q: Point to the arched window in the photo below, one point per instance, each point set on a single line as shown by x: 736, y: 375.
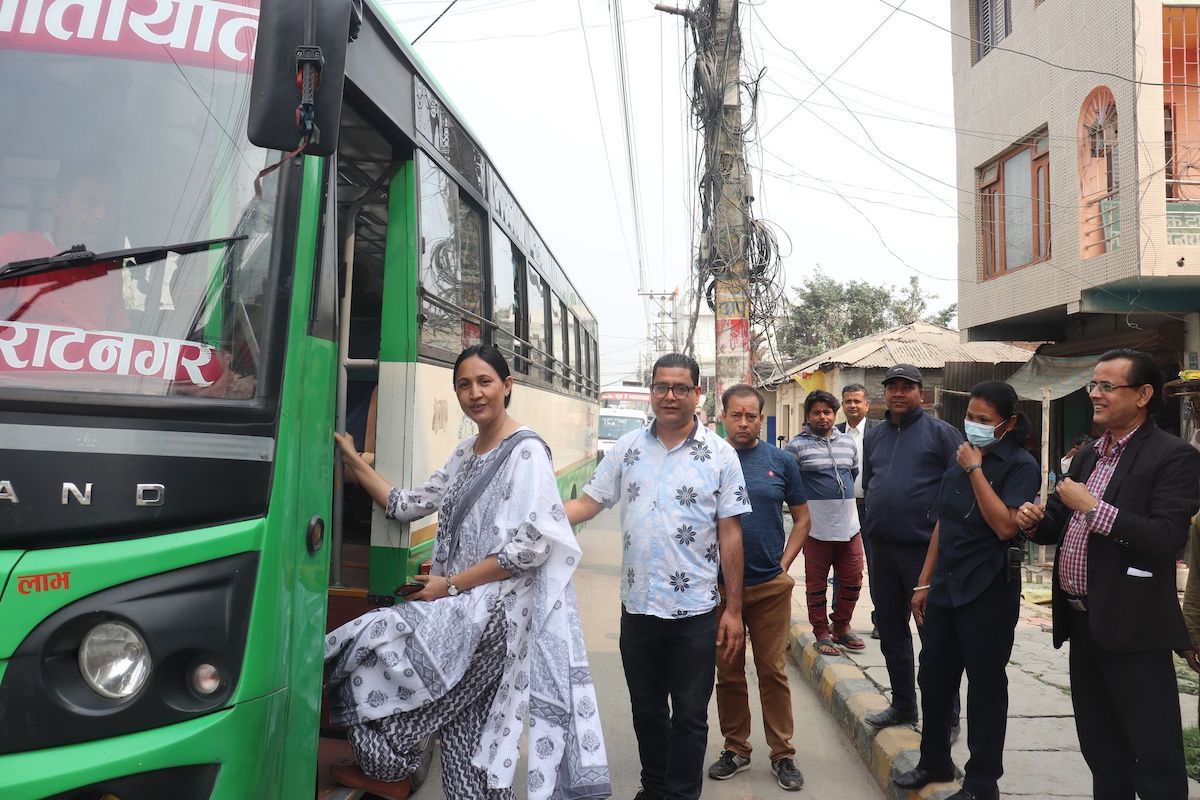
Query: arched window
x: 1099, y: 175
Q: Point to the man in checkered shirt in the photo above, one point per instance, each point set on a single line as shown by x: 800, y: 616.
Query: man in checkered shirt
x: 1119, y: 518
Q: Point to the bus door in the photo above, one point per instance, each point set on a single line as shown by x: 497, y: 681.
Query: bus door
x: 373, y: 191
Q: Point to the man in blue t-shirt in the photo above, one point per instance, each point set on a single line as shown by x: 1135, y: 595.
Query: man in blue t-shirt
x: 772, y: 479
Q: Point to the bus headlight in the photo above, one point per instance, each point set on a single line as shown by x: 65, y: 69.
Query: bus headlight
x: 114, y: 660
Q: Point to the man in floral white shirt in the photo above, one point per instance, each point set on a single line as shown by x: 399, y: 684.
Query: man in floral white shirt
x: 683, y: 491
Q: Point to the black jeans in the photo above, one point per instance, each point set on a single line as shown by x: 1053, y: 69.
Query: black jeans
x: 895, y: 569
x: 676, y: 659
x: 976, y: 637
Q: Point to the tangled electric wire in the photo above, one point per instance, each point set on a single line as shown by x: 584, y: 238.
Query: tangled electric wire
x: 764, y: 283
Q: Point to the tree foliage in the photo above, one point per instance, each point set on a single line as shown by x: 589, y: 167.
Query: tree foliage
x: 828, y: 313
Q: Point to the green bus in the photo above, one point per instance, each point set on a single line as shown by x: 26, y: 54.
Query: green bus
x: 181, y: 332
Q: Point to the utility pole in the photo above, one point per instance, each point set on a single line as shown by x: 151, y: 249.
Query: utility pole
x: 725, y: 185
x: 661, y: 323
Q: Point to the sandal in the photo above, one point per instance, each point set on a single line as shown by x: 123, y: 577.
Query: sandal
x: 850, y: 642
x: 826, y: 647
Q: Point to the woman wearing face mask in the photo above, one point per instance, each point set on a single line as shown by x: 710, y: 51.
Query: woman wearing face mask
x: 969, y: 593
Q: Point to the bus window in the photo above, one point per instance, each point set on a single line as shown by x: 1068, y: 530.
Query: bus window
x: 576, y: 353
x: 587, y: 360
x: 506, y: 309
x: 539, y: 335
x: 451, y: 264
x: 558, y: 317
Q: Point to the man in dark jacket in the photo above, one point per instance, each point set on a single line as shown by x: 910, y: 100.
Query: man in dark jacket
x: 1119, y: 518
x: 902, y: 470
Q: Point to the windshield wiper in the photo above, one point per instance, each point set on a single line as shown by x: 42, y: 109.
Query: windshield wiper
x: 80, y: 256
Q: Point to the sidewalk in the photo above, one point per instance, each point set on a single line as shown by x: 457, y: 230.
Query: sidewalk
x: 1041, y: 757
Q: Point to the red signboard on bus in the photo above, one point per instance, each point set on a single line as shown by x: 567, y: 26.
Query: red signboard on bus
x: 209, y: 33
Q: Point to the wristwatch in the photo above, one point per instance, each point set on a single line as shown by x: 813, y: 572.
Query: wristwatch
x: 971, y: 468
x: 451, y: 589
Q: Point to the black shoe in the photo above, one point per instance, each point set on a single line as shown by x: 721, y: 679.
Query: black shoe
x: 891, y: 716
x: 916, y: 778
x: 967, y: 794
x: 954, y: 732
x: 874, y: 631
x: 786, y: 774
x: 728, y: 765
x: 645, y: 795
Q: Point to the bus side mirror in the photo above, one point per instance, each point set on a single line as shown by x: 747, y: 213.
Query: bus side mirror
x: 275, y: 93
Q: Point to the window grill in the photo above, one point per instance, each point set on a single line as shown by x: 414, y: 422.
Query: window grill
x: 1181, y: 122
x: 992, y: 21
x: 1099, y: 175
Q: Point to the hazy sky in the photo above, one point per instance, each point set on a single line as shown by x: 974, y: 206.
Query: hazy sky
x: 518, y: 72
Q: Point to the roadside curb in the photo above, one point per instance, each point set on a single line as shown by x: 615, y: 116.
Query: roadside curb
x: 850, y: 696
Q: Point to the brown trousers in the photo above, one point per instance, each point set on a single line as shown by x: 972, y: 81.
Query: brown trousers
x: 767, y: 613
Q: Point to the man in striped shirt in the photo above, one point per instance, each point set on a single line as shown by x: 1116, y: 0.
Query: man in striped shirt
x: 828, y: 462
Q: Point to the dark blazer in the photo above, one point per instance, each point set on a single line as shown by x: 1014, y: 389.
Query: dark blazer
x: 868, y: 423
x: 1156, y: 489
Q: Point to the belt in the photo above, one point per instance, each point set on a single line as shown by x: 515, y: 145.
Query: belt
x: 1077, y: 603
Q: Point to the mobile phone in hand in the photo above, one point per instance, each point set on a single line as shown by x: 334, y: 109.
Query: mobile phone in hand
x: 408, y: 588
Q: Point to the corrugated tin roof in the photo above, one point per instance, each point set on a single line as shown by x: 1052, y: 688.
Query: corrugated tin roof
x: 922, y: 344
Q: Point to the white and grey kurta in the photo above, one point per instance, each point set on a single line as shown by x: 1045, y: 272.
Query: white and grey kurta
x: 400, y: 659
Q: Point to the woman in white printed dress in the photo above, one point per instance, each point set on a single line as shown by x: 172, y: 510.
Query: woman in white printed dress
x: 493, y: 638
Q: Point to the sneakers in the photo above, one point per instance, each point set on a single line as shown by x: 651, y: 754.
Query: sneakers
x: 728, y: 765
x: 786, y: 774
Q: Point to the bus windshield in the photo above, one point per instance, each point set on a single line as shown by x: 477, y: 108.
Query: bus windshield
x: 127, y: 129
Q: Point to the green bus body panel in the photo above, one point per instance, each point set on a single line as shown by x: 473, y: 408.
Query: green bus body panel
x: 266, y: 740
x: 100, y: 566
x: 8, y: 562
x: 388, y: 567
x: 245, y: 740
x: 285, y: 646
x: 396, y: 565
x: 571, y: 482
x: 399, y: 335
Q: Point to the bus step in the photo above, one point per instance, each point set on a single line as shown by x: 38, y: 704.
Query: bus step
x: 333, y: 751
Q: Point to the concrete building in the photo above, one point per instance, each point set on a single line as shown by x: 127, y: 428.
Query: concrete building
x: 1078, y: 171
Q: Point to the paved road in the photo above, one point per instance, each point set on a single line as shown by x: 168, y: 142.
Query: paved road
x: 1041, y: 752
x: 830, y: 765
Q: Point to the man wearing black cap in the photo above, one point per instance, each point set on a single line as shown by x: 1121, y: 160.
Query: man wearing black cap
x: 902, y: 470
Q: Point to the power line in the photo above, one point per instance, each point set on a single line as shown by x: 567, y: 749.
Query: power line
x: 539, y: 35
x: 1047, y: 62
x: 1133, y: 305
x: 842, y: 63
x: 435, y: 21
x: 630, y: 147
x: 494, y: 5
x: 587, y: 48
x: 855, y: 86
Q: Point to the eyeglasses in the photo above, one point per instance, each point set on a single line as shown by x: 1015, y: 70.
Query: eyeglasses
x: 680, y: 390
x: 1106, y: 387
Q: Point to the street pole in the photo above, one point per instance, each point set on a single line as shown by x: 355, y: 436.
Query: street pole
x: 730, y: 230
x: 725, y: 184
